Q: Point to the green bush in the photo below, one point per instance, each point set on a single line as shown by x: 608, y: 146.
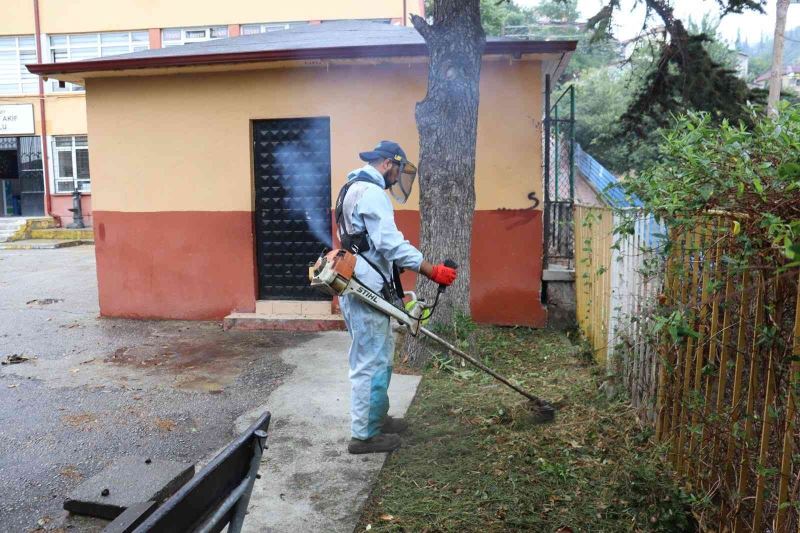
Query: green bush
x: 753, y: 174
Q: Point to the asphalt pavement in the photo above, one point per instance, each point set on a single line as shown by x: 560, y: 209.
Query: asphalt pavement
x: 96, y: 389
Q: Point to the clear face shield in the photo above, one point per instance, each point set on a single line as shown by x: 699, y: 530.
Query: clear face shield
x: 401, y: 189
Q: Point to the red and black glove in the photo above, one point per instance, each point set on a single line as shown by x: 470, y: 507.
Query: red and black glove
x: 443, y: 275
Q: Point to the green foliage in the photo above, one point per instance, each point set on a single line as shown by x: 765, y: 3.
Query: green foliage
x: 718, y: 50
x: 605, y: 95
x: 686, y: 77
x: 751, y: 173
x: 601, y: 99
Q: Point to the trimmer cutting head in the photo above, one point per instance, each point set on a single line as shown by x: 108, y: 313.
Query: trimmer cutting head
x: 541, y: 411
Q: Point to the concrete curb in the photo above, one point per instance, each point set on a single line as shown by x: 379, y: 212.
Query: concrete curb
x: 37, y: 244
x: 308, y: 480
x: 255, y: 322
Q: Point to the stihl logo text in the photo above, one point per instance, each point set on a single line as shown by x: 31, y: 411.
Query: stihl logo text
x: 367, y: 294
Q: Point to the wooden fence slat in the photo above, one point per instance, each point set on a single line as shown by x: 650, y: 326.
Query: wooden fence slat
x: 689, y: 351
x: 662, y: 420
x: 741, y: 342
x: 752, y: 384
x: 707, y: 264
x: 704, y: 469
x: 788, y: 435
x: 677, y: 388
x: 722, y: 382
x: 768, y: 416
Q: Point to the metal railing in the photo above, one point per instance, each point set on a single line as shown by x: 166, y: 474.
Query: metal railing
x: 559, y: 177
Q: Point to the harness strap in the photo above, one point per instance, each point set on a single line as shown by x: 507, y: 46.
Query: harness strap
x: 357, y: 243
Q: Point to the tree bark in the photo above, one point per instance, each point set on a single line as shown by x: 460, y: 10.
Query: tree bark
x: 447, y: 122
x: 776, y: 73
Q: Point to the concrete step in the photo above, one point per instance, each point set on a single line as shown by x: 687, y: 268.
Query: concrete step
x: 255, y: 321
x: 287, y: 315
x: 13, y: 226
x: 42, y: 222
x: 40, y: 244
x: 9, y: 232
x: 85, y: 234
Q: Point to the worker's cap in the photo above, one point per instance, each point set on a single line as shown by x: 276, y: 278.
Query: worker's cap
x: 385, y: 150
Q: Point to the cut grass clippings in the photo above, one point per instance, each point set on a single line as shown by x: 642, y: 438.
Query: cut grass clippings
x: 474, y: 462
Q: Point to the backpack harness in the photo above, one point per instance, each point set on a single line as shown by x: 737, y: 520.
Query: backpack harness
x: 357, y: 243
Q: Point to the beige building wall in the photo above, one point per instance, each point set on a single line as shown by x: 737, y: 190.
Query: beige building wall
x: 66, y: 114
x: 193, y: 140
x: 16, y: 17
x: 102, y: 15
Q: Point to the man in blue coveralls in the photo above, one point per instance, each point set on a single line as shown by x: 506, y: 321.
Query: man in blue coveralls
x: 365, y: 220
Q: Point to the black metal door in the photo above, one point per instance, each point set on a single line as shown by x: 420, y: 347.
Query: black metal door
x: 21, y: 165
x: 292, y: 164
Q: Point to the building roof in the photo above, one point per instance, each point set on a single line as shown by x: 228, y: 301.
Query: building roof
x: 329, y: 40
x: 789, y: 69
x: 604, y: 183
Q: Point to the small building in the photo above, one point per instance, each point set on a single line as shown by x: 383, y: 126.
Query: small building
x: 215, y: 165
x: 790, y: 79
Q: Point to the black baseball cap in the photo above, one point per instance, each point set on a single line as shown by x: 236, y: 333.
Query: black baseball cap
x: 385, y: 149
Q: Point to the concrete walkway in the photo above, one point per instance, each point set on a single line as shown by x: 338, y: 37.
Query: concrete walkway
x: 308, y: 480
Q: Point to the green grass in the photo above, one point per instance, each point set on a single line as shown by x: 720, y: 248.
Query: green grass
x: 474, y: 461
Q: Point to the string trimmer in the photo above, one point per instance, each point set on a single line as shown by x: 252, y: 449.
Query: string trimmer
x: 333, y: 273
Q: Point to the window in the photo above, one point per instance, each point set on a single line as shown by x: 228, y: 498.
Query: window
x: 250, y: 29
x: 71, y: 163
x: 179, y: 36
x: 377, y: 21
x: 83, y: 46
x: 15, y: 53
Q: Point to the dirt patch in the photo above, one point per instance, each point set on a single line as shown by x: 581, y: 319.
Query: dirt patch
x: 165, y: 424
x: 70, y: 472
x: 207, y: 362
x: 83, y: 421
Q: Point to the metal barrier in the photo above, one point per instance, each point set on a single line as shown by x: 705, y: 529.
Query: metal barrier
x: 217, y: 496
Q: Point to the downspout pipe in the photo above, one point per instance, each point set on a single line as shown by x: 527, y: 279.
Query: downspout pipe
x: 48, y: 208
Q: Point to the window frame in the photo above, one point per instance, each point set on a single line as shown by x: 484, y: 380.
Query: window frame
x: 269, y: 27
x: 209, y: 30
x: 74, y: 180
x: 21, y: 71
x: 97, y: 47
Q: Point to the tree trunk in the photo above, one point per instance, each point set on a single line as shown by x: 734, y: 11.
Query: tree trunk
x: 447, y: 121
x: 776, y: 74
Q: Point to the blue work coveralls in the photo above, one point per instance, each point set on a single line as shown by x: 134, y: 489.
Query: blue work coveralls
x: 367, y: 207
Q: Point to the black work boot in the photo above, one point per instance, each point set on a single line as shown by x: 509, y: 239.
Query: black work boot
x: 380, y: 443
x: 394, y: 425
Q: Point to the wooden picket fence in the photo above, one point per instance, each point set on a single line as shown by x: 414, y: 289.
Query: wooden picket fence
x: 727, y: 361
x: 593, y: 241
x: 728, y: 382
x: 616, y: 290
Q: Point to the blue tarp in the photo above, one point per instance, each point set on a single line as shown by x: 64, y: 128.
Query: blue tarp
x: 602, y: 181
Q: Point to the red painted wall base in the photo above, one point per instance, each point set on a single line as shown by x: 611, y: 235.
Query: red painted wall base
x: 201, y: 265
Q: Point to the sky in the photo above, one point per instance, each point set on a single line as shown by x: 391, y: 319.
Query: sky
x: 751, y: 26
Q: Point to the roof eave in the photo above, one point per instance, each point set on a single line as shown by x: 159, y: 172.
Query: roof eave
x: 344, y: 52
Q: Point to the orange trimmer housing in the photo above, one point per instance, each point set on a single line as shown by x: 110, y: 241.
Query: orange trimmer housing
x: 333, y: 271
